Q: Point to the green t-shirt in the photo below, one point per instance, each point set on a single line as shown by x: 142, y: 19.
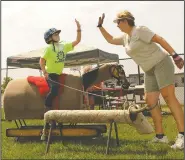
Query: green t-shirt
x: 55, y: 60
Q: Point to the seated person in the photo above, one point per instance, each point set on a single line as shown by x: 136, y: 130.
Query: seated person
x: 91, y: 98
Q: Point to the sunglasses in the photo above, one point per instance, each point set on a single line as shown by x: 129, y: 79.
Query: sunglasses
x: 119, y: 20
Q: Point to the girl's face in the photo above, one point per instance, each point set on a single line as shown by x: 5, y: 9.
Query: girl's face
x: 55, y: 37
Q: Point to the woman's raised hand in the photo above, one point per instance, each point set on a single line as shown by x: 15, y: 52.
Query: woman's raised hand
x: 100, y: 22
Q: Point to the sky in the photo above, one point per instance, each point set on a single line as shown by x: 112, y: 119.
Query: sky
x: 23, y: 25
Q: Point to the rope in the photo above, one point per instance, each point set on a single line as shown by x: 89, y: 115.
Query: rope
x: 83, y: 91
x: 148, y: 108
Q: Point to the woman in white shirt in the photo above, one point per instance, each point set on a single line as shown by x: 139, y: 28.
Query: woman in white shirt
x: 141, y: 45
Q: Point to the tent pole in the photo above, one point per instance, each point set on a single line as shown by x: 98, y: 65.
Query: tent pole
x: 6, y: 70
x: 101, y: 87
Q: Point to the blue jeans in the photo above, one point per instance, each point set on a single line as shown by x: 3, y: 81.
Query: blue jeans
x: 54, y: 89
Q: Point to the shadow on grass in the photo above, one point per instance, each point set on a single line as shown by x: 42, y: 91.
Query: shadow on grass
x: 73, y: 140
x: 99, y: 145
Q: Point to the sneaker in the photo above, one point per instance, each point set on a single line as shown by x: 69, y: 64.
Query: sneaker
x: 162, y: 140
x: 43, y: 137
x: 179, y: 143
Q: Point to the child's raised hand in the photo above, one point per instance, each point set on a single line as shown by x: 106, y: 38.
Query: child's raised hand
x: 77, y: 24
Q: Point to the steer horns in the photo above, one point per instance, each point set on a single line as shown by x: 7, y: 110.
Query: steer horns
x: 134, y: 110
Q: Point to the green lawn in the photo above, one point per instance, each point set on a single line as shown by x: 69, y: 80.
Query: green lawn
x: 132, y: 145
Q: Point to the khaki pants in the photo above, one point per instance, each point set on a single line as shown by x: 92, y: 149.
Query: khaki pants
x: 160, y: 76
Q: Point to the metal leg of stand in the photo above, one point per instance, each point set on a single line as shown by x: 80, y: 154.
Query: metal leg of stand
x: 17, y: 124
x: 116, y: 131
x: 20, y: 122
x: 109, y: 137
x: 24, y: 122
x: 49, y: 138
x: 60, y: 127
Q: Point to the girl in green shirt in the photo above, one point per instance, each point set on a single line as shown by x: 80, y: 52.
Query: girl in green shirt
x: 52, y: 61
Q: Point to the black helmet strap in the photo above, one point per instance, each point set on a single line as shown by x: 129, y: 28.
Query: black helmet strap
x: 52, y: 42
x: 53, y: 46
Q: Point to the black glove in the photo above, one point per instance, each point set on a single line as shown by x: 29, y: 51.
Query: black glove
x: 100, y: 22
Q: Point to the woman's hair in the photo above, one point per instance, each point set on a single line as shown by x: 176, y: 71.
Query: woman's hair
x: 128, y: 16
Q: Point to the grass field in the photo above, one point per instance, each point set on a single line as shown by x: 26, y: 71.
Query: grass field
x: 132, y: 145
